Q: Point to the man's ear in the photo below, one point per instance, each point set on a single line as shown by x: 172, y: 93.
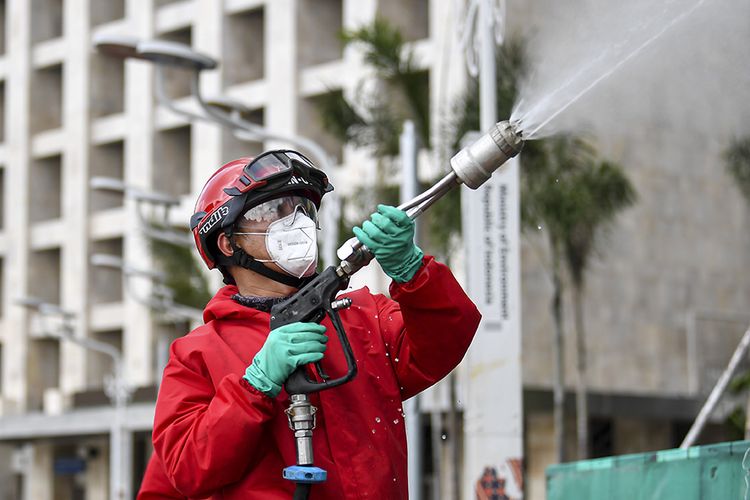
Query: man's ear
x: 224, y: 245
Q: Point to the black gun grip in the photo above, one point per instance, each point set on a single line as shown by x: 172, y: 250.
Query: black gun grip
x: 311, y: 304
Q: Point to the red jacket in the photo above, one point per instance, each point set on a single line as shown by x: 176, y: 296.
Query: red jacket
x: 156, y: 485
x: 220, y: 438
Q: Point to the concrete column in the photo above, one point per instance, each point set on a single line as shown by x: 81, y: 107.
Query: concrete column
x: 97, y: 473
x: 357, y: 165
x: 205, y: 140
x: 541, y: 453
x: 447, y: 75
x: 356, y: 13
x: 74, y: 255
x: 139, y: 108
x: 39, y: 479
x: 16, y: 208
x: 281, y: 66
x: 7, y: 474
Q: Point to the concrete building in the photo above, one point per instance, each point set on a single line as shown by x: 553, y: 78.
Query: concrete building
x: 664, y: 311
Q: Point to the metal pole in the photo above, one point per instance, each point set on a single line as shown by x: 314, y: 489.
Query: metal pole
x: 493, y: 412
x: 487, y: 97
x: 717, y: 392
x: 408, y: 146
x: 118, y: 392
x: 118, y: 448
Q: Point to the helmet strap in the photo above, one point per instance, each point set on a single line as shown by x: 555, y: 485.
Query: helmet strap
x: 247, y: 261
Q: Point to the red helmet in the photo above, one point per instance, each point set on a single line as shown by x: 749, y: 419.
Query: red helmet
x: 243, y: 183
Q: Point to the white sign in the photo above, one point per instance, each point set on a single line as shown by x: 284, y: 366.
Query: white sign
x: 492, y: 383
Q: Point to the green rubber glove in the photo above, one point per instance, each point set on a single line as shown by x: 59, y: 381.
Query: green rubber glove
x: 286, y: 348
x: 389, y: 234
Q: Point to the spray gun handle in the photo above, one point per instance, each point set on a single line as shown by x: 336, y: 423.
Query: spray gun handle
x: 314, y: 302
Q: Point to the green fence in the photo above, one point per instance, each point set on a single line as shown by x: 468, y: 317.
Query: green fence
x: 714, y: 472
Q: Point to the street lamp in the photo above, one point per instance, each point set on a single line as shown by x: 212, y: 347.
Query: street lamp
x: 162, y: 297
x: 121, y: 46
x: 115, y: 387
x: 142, y: 197
x: 223, y: 111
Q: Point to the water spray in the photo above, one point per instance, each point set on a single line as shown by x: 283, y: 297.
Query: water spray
x: 473, y: 166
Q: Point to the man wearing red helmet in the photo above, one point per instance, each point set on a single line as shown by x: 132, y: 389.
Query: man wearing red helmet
x: 220, y: 429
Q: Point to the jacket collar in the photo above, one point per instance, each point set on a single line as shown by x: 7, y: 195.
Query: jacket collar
x: 221, y: 306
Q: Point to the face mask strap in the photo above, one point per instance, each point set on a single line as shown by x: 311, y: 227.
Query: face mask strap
x: 247, y: 261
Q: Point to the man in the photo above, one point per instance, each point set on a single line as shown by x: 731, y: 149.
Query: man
x: 220, y: 429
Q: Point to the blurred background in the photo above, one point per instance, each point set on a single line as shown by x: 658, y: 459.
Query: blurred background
x: 634, y: 212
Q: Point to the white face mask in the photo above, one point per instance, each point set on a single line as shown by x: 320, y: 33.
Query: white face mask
x: 292, y: 244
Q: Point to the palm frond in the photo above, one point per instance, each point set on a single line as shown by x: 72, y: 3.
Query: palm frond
x: 184, y: 273
x: 737, y: 159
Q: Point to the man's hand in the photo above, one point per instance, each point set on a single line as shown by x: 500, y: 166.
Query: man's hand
x: 286, y: 348
x: 389, y: 234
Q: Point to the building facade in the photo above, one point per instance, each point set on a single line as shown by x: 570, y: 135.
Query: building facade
x: 665, y: 308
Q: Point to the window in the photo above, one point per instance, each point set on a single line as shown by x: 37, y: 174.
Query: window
x: 2, y: 197
x: 44, y: 275
x: 43, y: 370
x: 311, y: 126
x: 107, y: 160
x: 3, y: 11
x: 104, y: 12
x: 106, y: 283
x: 46, y: 99
x: 411, y: 17
x: 319, y: 23
x: 601, y: 437
x: 107, y: 85
x: 46, y: 20
x: 172, y: 161
x: 233, y: 148
x: 2, y: 110
x: 46, y: 189
x: 98, y: 365
x: 177, y: 80
x: 244, y: 47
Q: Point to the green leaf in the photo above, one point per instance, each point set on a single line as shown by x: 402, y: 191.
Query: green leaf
x: 737, y: 159
x: 183, y: 271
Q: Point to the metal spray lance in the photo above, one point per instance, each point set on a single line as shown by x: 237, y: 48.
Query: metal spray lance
x: 473, y: 166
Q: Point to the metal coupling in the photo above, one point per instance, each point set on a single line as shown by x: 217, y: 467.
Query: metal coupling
x: 301, y: 413
x: 476, y: 163
x: 354, y: 256
x: 341, y: 304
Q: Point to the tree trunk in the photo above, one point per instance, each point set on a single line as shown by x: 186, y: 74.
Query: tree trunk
x: 582, y: 408
x: 559, y: 382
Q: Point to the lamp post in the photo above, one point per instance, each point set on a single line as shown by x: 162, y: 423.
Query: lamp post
x: 115, y: 387
x: 143, y: 197
x: 162, y: 298
x: 222, y: 111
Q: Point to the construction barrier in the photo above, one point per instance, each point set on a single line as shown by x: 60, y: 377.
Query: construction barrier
x: 712, y: 472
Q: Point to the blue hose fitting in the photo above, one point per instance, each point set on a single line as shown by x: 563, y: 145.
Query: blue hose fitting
x: 305, y: 474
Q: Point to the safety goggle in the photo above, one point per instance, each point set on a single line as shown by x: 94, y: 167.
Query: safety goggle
x: 275, y: 163
x: 279, y: 208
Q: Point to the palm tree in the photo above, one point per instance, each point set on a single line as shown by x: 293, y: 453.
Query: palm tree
x: 374, y: 118
x: 574, y: 197
x: 546, y: 184
x: 602, y: 191
x: 548, y: 187
x: 737, y: 159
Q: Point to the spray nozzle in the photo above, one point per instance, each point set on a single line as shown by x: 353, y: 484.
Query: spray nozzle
x: 475, y: 163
